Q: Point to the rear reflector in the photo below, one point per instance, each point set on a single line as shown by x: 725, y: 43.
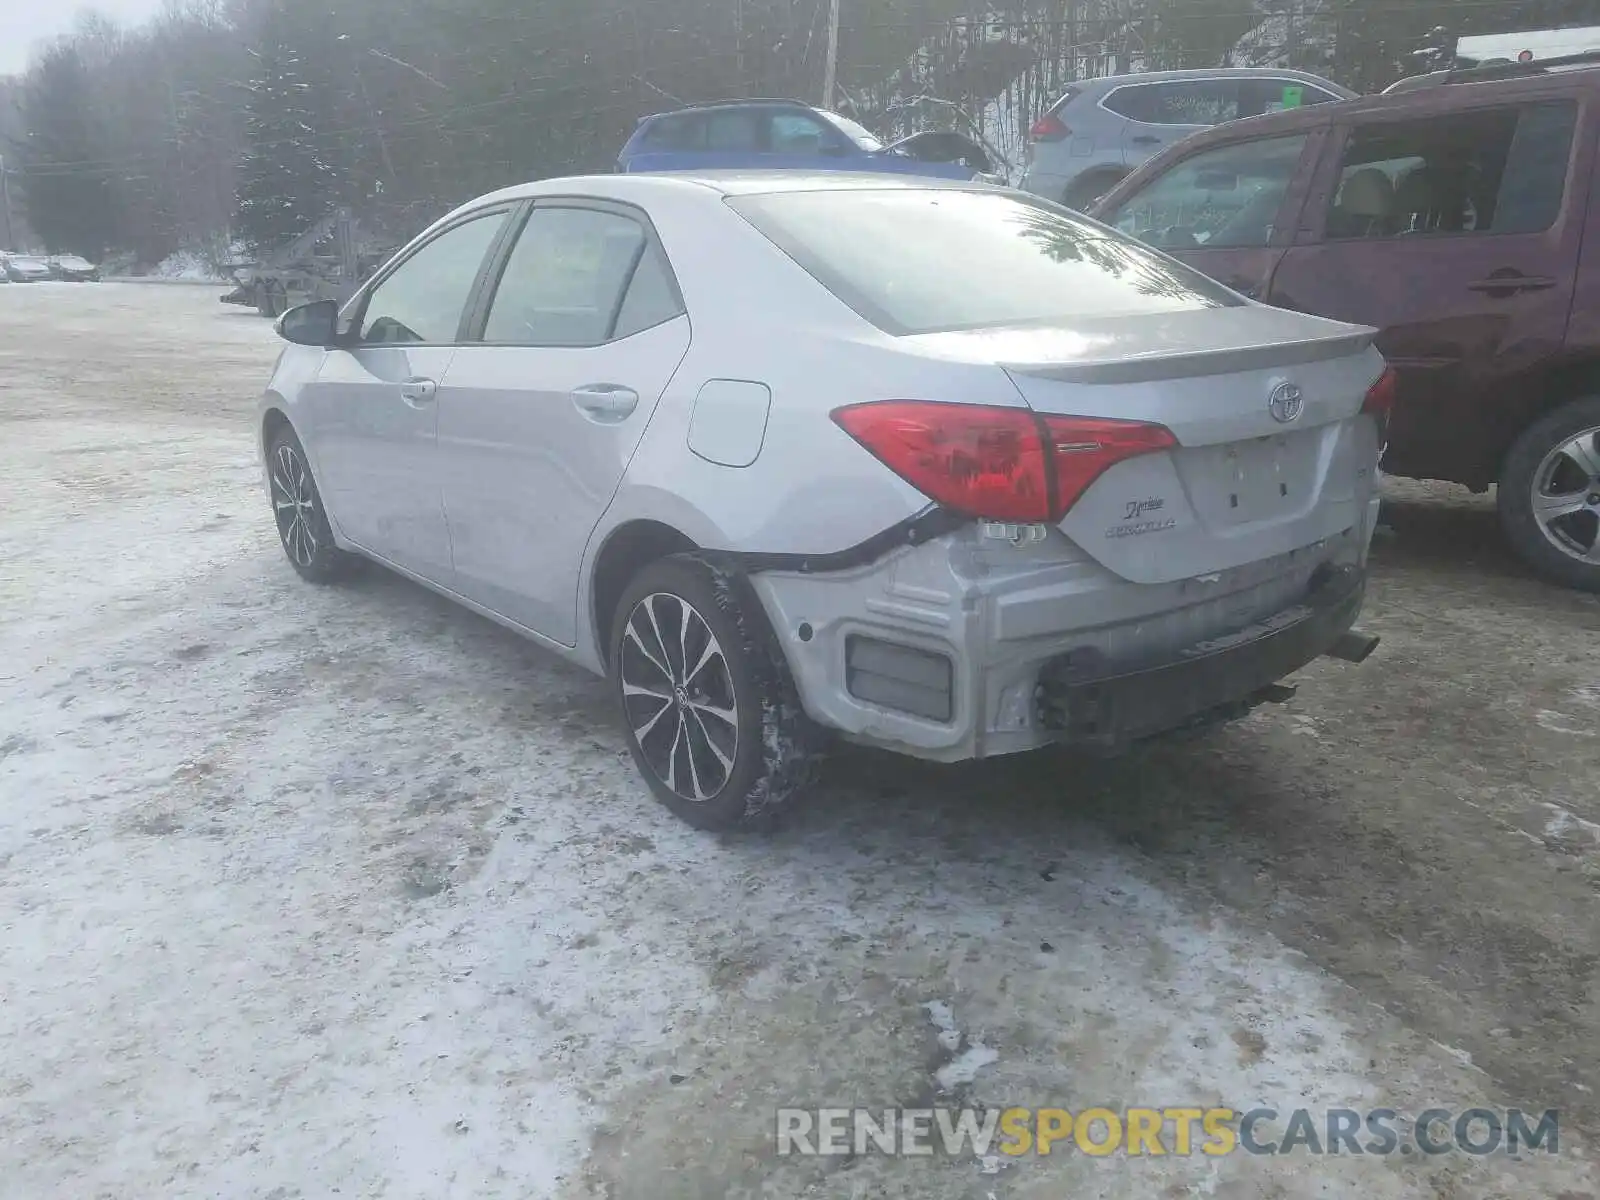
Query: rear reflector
x: 998, y: 464
x: 899, y: 677
x: 1381, y: 397
x: 1049, y: 128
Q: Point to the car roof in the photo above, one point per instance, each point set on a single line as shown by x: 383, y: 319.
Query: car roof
x: 639, y: 188
x: 1108, y: 82
x: 1420, y: 102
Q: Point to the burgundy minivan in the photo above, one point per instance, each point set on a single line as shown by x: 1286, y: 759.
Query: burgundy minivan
x: 1454, y: 218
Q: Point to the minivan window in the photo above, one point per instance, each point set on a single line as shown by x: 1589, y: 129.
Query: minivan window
x: 925, y: 260
x: 855, y: 132
x: 1226, y: 197
x: 423, y: 300
x: 1500, y: 170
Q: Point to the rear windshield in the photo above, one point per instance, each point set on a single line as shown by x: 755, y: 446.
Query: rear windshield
x: 917, y: 260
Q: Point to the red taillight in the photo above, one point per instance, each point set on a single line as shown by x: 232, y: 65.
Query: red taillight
x: 1049, y: 128
x: 1380, y: 398
x: 1084, y: 448
x: 999, y: 464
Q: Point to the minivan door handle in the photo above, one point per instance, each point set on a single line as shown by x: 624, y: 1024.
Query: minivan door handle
x: 606, y: 403
x: 1146, y: 140
x: 417, y: 392
x: 1509, y: 282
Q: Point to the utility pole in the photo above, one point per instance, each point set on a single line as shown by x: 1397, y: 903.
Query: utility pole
x: 5, y: 206
x: 830, y: 73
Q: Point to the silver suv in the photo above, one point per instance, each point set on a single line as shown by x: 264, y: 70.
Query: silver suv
x: 1103, y: 128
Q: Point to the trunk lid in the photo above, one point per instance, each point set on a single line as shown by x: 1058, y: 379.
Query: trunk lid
x: 1254, y: 475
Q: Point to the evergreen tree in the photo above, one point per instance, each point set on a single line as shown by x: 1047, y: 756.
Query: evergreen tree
x: 65, y: 178
x: 288, y: 177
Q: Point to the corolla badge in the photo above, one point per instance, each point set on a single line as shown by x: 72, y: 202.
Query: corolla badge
x: 1286, y: 403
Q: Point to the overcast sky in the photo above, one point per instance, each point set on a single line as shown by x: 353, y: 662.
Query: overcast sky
x: 23, y: 24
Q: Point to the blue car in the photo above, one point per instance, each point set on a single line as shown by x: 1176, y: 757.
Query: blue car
x: 788, y: 135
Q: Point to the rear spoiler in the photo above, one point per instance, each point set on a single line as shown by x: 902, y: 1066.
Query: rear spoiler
x: 1186, y: 364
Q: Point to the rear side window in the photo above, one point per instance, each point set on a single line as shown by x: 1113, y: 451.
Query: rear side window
x: 1186, y: 102
x: 1499, y: 170
x: 1275, y: 95
x: 682, y: 131
x: 568, y: 278
x: 732, y: 133
x: 922, y: 260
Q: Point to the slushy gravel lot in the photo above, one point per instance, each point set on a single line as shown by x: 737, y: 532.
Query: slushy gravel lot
x: 312, y: 892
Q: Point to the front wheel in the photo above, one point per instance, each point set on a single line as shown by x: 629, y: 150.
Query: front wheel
x: 303, y: 527
x: 1550, y: 495
x: 708, y: 708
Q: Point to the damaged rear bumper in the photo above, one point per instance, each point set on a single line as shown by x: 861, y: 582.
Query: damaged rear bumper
x: 1087, y: 701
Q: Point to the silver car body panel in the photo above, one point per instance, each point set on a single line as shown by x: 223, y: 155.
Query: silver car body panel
x: 526, y: 495
x: 1108, y: 145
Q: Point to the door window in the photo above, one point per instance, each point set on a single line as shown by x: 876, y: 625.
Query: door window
x: 1274, y: 95
x: 1501, y: 170
x: 573, y: 277
x: 422, y: 301
x: 1227, y: 197
x: 732, y: 132
x: 1189, y: 102
x: 796, y: 133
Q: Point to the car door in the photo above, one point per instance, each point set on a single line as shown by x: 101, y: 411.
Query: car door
x: 370, y: 418
x: 1458, y: 236
x: 1229, y: 210
x: 541, y: 412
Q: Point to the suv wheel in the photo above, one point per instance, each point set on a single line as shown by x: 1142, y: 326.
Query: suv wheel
x: 708, y: 708
x: 1550, y: 495
x: 1084, y: 191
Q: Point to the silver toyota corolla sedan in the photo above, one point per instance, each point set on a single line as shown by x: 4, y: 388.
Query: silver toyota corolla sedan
x: 944, y: 469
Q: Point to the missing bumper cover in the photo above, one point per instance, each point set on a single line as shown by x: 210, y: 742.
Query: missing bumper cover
x: 1104, y: 705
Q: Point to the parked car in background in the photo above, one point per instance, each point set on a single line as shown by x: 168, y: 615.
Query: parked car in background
x: 938, y: 467
x: 787, y: 135
x: 1461, y: 219
x: 1101, y: 129
x: 73, y: 268
x: 25, y: 268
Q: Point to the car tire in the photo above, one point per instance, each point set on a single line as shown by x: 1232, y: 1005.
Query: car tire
x: 708, y: 708
x: 1550, y: 460
x: 1084, y: 191
x: 297, y: 510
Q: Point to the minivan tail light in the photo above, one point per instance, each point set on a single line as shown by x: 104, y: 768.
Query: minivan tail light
x: 994, y: 463
x: 1381, y: 397
x: 1049, y: 128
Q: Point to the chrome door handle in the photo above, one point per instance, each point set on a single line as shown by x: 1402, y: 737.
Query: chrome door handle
x: 417, y: 392
x: 605, y: 402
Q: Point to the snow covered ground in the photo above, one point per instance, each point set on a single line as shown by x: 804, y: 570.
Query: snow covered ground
x: 313, y: 892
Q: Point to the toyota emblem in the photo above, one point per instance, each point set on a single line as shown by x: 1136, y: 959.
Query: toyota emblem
x: 1286, y: 403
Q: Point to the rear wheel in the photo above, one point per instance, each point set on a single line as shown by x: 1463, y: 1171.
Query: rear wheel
x: 1550, y: 495
x: 708, y: 708
x: 303, y: 527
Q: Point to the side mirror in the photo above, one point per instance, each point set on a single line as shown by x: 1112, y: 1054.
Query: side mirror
x: 314, y: 324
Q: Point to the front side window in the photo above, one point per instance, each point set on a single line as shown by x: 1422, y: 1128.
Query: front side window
x: 923, y: 260
x: 569, y: 281
x: 1228, y: 197
x: 1500, y: 170
x: 796, y: 133
x: 423, y: 300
